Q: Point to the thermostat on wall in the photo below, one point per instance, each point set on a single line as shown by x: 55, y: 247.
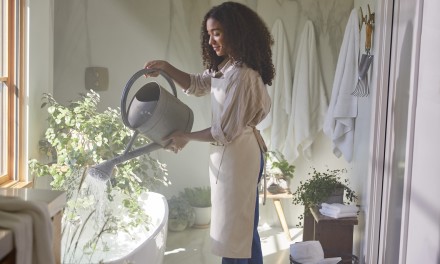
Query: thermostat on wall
x: 96, y: 78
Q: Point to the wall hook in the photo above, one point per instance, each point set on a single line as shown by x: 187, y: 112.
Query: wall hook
x: 368, y: 19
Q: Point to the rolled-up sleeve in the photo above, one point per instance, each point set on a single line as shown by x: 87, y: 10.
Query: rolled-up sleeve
x: 200, y: 84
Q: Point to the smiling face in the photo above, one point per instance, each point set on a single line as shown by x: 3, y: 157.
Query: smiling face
x: 216, y: 37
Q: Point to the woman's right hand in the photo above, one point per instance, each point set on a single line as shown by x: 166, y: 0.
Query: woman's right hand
x: 156, y: 64
x: 183, y: 79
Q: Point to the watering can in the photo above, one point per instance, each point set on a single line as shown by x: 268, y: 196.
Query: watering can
x: 153, y: 112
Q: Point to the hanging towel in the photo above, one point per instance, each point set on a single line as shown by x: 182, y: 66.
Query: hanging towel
x: 340, y: 119
x: 309, y: 99
x: 274, y: 127
x: 32, y: 229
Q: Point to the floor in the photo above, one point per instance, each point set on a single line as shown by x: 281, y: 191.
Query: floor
x: 192, y: 246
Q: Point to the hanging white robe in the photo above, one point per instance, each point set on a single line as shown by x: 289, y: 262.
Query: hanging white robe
x: 309, y: 100
x: 339, y: 123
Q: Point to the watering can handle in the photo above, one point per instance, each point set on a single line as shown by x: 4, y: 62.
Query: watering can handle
x: 128, y: 87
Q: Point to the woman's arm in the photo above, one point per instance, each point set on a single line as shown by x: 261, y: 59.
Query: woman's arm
x: 180, y: 77
x: 179, y: 139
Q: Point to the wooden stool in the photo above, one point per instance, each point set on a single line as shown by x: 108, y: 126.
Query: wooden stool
x: 276, y: 199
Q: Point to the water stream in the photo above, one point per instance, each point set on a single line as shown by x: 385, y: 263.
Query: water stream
x: 97, y: 229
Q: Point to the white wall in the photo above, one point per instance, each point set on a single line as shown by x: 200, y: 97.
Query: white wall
x: 39, y: 72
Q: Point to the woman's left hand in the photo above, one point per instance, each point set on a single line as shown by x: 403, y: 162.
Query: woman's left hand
x: 178, y: 141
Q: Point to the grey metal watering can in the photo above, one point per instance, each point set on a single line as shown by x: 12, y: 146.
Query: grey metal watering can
x: 152, y: 112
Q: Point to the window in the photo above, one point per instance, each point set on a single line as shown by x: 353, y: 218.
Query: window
x: 11, y: 94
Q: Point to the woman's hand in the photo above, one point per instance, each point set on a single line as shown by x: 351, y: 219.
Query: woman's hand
x: 156, y: 64
x: 181, y: 78
x: 178, y: 141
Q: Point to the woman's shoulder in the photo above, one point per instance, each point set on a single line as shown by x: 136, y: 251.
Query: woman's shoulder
x: 241, y: 70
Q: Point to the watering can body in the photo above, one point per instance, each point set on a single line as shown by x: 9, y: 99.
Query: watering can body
x: 155, y: 113
x: 152, y: 112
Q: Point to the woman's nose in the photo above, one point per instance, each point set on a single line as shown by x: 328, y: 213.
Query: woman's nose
x: 211, y: 41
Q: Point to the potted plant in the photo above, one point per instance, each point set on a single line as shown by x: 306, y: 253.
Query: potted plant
x: 279, y: 171
x: 180, y: 214
x: 77, y: 137
x: 323, y: 186
x: 200, y: 199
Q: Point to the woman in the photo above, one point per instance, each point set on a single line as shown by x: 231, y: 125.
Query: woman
x: 236, y: 53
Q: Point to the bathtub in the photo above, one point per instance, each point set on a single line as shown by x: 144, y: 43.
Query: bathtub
x: 152, y: 250
x: 148, y: 250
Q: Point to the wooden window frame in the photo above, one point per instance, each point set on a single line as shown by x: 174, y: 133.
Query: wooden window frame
x: 14, y: 80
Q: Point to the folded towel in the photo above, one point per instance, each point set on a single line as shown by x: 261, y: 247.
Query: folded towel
x: 32, y: 229
x: 333, y: 214
x: 21, y: 227
x: 340, y: 208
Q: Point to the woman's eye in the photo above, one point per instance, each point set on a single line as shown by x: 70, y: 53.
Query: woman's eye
x: 216, y: 33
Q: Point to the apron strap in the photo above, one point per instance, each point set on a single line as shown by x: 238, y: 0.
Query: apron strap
x: 260, y: 140
x: 263, y: 149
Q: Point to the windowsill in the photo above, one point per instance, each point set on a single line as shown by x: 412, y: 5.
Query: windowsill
x: 16, y: 184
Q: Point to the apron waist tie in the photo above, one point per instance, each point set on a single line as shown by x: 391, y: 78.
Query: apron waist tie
x: 263, y: 149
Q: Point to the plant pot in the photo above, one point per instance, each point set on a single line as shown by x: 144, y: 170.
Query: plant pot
x: 203, y: 217
x: 177, y: 225
x: 337, y: 196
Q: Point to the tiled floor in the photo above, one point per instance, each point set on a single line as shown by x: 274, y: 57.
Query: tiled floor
x: 192, y: 246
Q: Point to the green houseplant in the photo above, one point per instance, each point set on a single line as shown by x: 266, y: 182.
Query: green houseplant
x: 279, y: 171
x: 321, y: 186
x: 77, y: 137
x: 200, y: 199
x: 197, y: 196
x: 180, y: 214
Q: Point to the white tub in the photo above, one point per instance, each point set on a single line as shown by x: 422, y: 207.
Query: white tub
x: 149, y: 251
x: 152, y: 250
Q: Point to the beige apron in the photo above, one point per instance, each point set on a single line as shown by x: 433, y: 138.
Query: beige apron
x: 233, y: 171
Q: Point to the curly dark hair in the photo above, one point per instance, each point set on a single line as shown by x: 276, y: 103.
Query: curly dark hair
x: 247, y: 36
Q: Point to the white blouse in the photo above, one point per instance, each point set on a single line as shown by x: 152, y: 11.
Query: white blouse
x: 246, y: 103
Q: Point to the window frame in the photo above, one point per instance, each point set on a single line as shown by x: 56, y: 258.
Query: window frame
x: 14, y: 83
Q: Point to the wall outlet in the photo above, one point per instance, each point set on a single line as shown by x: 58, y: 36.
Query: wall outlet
x: 96, y: 78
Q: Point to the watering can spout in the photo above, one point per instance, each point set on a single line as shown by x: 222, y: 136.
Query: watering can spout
x: 152, y: 112
x: 103, y: 171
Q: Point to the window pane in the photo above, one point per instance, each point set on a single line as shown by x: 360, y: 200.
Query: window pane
x: 3, y: 129
x: 3, y: 87
x: 4, y: 37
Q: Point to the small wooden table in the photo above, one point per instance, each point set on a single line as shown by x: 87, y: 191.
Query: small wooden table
x: 334, y: 234
x: 276, y: 199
